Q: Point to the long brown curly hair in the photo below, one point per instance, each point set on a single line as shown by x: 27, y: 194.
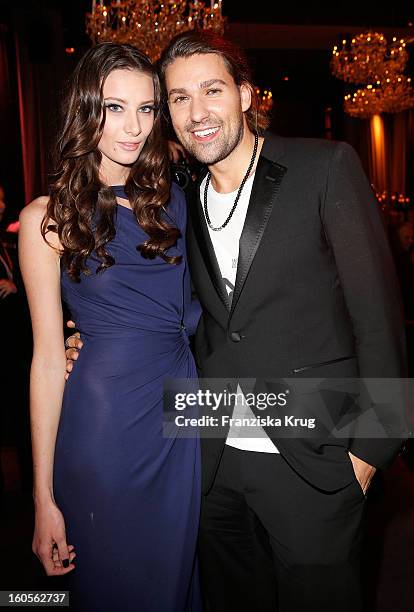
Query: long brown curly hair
x: 81, y: 208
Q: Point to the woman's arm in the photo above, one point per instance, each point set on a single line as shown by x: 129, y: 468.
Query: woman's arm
x: 40, y: 266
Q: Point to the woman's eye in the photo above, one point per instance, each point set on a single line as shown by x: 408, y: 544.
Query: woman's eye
x: 116, y: 108
x: 147, y: 109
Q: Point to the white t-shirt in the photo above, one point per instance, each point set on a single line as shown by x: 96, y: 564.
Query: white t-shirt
x: 226, y: 247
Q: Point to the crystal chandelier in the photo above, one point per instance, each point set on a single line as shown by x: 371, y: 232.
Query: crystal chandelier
x: 392, y: 95
x: 367, y: 59
x: 265, y: 100
x: 150, y: 24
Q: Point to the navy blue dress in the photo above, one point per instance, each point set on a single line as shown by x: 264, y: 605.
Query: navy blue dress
x: 130, y: 497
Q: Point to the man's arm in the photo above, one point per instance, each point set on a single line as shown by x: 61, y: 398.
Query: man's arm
x: 73, y: 345
x: 354, y: 229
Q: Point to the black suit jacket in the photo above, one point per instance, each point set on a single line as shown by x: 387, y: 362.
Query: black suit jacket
x: 315, y: 295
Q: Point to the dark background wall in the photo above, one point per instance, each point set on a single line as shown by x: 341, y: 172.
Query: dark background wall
x: 42, y: 29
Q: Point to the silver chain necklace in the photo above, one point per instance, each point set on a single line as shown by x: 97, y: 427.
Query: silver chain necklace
x: 239, y: 191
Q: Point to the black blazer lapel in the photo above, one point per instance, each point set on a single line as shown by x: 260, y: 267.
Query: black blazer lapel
x: 206, y: 247
x: 265, y: 189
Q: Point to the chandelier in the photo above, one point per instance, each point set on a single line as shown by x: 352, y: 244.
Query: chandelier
x: 367, y: 59
x: 392, y: 95
x: 149, y: 25
x: 395, y: 200
x: 265, y: 100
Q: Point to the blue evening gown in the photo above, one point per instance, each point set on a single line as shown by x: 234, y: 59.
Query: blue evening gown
x: 130, y: 497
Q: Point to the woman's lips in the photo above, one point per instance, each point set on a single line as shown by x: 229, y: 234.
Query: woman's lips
x: 129, y: 146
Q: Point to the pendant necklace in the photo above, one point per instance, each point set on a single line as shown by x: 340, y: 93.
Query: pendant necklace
x: 236, y: 201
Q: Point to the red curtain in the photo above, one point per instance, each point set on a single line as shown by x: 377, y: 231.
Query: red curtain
x: 383, y: 143
x: 33, y: 149
x: 5, y: 92
x: 40, y: 68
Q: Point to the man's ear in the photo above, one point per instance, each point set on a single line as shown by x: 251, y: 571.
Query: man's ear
x: 245, y: 96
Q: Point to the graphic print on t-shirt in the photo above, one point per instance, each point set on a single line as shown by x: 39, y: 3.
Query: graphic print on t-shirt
x: 229, y: 287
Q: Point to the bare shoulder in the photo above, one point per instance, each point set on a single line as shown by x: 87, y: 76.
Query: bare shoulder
x: 31, y: 218
x: 35, y: 211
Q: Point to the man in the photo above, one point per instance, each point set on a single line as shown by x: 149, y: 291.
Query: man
x: 290, y: 263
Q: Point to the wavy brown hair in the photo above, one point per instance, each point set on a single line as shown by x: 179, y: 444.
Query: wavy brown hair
x: 81, y: 208
x: 204, y: 42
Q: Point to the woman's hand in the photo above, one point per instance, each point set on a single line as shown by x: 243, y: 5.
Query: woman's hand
x: 49, y: 540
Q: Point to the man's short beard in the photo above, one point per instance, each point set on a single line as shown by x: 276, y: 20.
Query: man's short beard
x: 218, y: 156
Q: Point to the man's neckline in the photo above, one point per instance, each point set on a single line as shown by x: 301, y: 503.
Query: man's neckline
x: 228, y: 193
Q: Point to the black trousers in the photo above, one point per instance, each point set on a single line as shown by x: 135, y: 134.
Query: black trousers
x: 270, y: 541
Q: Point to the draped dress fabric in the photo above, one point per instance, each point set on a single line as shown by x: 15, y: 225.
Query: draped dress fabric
x: 130, y: 497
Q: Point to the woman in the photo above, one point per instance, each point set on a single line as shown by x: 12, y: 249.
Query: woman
x: 109, y: 489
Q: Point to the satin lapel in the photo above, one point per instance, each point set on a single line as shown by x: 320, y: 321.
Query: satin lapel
x: 265, y: 189
x: 207, y: 250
